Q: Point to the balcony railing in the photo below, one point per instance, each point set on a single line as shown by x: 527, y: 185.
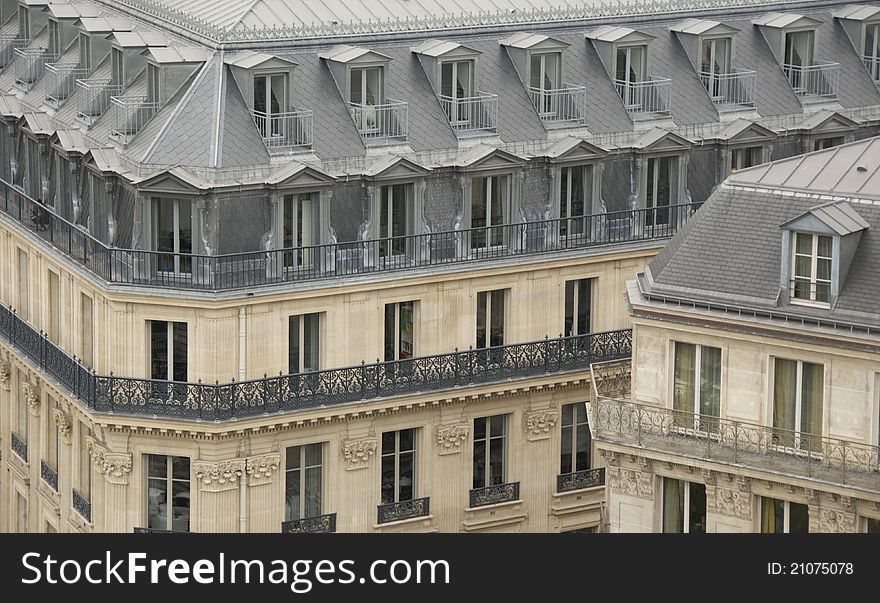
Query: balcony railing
x: 290, y: 393
x: 493, y: 495
x: 648, y: 98
x: 49, y: 475
x: 730, y: 91
x: 154, y: 531
x: 29, y: 66
x: 590, y: 478
x: 405, y: 509
x: 258, y: 268
x: 385, y: 123
x: 9, y: 43
x: 130, y: 113
x: 471, y: 114
x: 94, y: 97
x: 740, y: 443
x: 560, y: 105
x: 19, y: 447
x: 285, y: 131
x: 62, y: 81
x: 814, y: 82
x: 873, y: 66
x: 82, y: 505
x: 321, y: 524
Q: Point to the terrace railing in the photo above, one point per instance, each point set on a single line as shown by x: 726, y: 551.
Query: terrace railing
x: 130, y: 113
x: 62, y: 81
x: 381, y: 123
x: 30, y: 66
x: 559, y: 105
x: 730, y: 90
x: 471, y: 114
x: 814, y: 82
x: 94, y: 97
x: 285, y: 131
x: 648, y: 98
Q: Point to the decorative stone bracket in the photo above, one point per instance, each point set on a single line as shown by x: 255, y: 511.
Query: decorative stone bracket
x: 32, y: 397
x: 540, y: 423
x: 115, y: 466
x: 451, y: 438
x: 357, y: 453
x: 631, y: 482
x: 219, y: 476
x: 5, y: 374
x: 261, y: 468
x: 64, y: 422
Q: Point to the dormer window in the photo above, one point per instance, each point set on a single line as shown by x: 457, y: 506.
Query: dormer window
x: 152, y: 83
x: 24, y: 22
x: 55, y: 48
x: 85, y: 51
x: 871, y: 50
x: 545, y: 75
x: 811, y: 268
x: 270, y: 101
x: 798, y: 56
x: 715, y: 60
x: 792, y: 38
x: 117, y: 67
x: 631, y: 70
x: 456, y: 87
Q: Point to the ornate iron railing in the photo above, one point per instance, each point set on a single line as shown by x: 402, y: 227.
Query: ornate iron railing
x: 814, y: 82
x: 130, y: 113
x: 82, y: 506
x: 259, y: 268
x: 473, y: 113
x: 730, y: 90
x: 29, y: 66
x: 285, y: 131
x: 405, y: 509
x: 154, y: 531
x: 94, y: 97
x: 873, y: 65
x: 49, y: 475
x: 646, y: 98
x: 381, y: 123
x: 19, y: 447
x: 288, y: 393
x: 590, y: 478
x: 493, y: 495
x: 9, y: 43
x: 321, y: 524
x: 62, y: 81
x: 567, y: 104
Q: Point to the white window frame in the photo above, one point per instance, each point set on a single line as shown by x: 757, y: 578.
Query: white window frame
x: 565, y: 176
x: 169, y: 347
x: 275, y: 126
x: 871, y: 56
x: 686, y: 511
x: 505, y: 460
x: 547, y: 98
x: 459, y: 105
x: 786, y: 513
x: 170, y: 480
x: 574, y: 436
x: 303, y: 467
x: 396, y: 306
x: 396, y: 453
x: 387, y: 202
x: 591, y: 282
x: 488, y: 327
x: 631, y: 97
x: 364, y: 69
x: 505, y: 181
x: 714, y: 78
x: 798, y: 400
x: 294, y: 202
x: 319, y: 317
x: 814, y: 281
x: 176, y: 238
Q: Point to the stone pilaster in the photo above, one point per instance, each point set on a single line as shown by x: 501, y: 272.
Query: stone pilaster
x: 116, y: 469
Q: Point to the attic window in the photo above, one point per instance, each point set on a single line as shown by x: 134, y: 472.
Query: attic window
x: 811, y: 268
x: 871, y: 50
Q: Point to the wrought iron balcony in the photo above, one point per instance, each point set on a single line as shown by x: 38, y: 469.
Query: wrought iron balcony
x: 646, y: 99
x: 563, y: 106
x: 590, y: 478
x: 761, y: 447
x: 82, y: 506
x: 29, y: 66
x: 472, y: 114
x: 730, y: 91
x: 321, y: 524
x: 259, y: 268
x: 9, y: 43
x: 19, y: 447
x: 62, y: 81
x: 49, y: 475
x: 493, y: 495
x: 154, y: 531
x: 405, y: 509
x: 817, y: 82
x: 94, y: 97
x: 291, y: 393
x: 873, y: 66
x: 381, y: 124
x: 285, y: 131
x: 130, y: 113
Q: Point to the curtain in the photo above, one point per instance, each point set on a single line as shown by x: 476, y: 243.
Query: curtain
x: 673, y: 506
x: 772, y: 521
x: 710, y: 386
x: 784, y: 391
x: 812, y: 385
x: 683, y: 383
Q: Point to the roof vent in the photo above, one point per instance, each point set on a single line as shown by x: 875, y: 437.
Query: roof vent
x: 861, y: 168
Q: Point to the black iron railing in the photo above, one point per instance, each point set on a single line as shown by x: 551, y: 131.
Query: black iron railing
x: 492, y: 495
x: 579, y: 480
x: 257, y: 268
x: 82, y: 506
x: 19, y: 447
x: 321, y: 524
x: 49, y: 475
x: 405, y: 509
x: 154, y: 531
x: 287, y: 393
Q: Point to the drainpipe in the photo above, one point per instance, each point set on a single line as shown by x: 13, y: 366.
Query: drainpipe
x: 242, y: 343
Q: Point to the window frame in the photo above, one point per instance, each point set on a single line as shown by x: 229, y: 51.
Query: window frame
x: 503, y: 292
x: 565, y: 198
x: 301, y: 318
x: 170, y: 480
x: 490, y: 235
x: 397, y: 453
x: 801, y: 438
x: 575, y: 438
x: 170, y: 355
x: 786, y: 515
x: 701, y: 421
x: 181, y: 261
x: 398, y: 344
x: 736, y: 156
x: 874, y: 57
x: 813, y: 281
x: 393, y: 245
x: 487, y: 439
x: 302, y: 469
x: 686, y: 506
x: 575, y: 317
x: 293, y: 223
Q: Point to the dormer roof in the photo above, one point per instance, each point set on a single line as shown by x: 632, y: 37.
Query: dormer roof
x: 248, y: 59
x: 533, y: 41
x: 786, y: 20
x: 619, y: 35
x: 353, y: 55
x: 840, y: 217
x: 703, y: 27
x: 442, y: 49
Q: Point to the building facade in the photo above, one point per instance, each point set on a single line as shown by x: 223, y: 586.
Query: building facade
x: 350, y: 274
x: 755, y: 376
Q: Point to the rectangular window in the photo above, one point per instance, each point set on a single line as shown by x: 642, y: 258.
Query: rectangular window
x: 172, y: 235
x: 872, y: 50
x: 399, y: 330
x: 117, y: 67
x: 662, y: 189
x: 24, y: 22
x: 490, y: 210
x: 783, y: 517
x: 84, y: 481
x: 54, y: 330
x: 490, y: 451
x: 745, y: 157
x: 798, y: 57
x: 87, y: 329
x: 366, y: 86
x: 684, y: 507
x: 54, y: 39
x: 53, y: 440
x: 304, y: 343
x: 578, y: 303
x: 696, y: 386
x: 545, y: 75
x: 575, y: 199
x: 490, y: 318
x: 23, y: 286
x: 456, y: 87
x: 630, y: 69
x: 828, y: 142
x: 303, y: 483
x: 168, y: 493
x: 270, y: 102
x: 714, y: 65
x: 577, y: 442
x: 811, y: 267
x: 168, y: 350
x: 301, y: 229
x: 85, y: 51
x: 398, y: 466
x: 798, y: 392
x: 152, y: 83
x: 872, y: 525
x: 395, y: 220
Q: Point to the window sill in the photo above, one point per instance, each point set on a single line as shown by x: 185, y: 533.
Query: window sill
x: 809, y: 303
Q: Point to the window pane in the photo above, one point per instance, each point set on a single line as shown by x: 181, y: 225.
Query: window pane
x: 497, y: 425
x: 407, y: 439
x: 314, y: 455
x: 356, y: 87
x: 798, y: 519
x: 313, y: 493
x: 710, y: 381
x: 157, y: 502
x: 804, y: 244
x: 496, y: 461
x: 293, y: 351
x: 683, y: 378
x: 568, y: 414
x: 388, y: 475
x: 482, y: 308
x: 292, y: 491
x: 180, y: 468
x: 772, y: 516
x: 673, y: 506
x: 446, y: 79
x: 584, y: 446
x: 569, y: 308
x: 180, y: 352
x: 566, y: 465
x: 583, y: 309
x: 479, y: 463
x: 697, y: 509
x: 480, y: 428
x: 811, y: 398
x: 158, y: 350
x: 497, y: 318
x: 390, y: 331
x: 293, y: 457
x: 156, y: 466
x: 784, y: 391
x: 180, y: 507
x: 311, y: 342
x: 407, y: 330
x: 407, y: 476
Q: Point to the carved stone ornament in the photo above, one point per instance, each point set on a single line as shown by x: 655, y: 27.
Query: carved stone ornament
x: 734, y: 503
x: 261, y: 468
x: 219, y: 476
x: 540, y: 423
x: 832, y: 521
x: 64, y: 422
x: 32, y: 397
x: 115, y: 466
x: 5, y: 374
x: 357, y: 453
x: 630, y: 482
x: 451, y: 438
